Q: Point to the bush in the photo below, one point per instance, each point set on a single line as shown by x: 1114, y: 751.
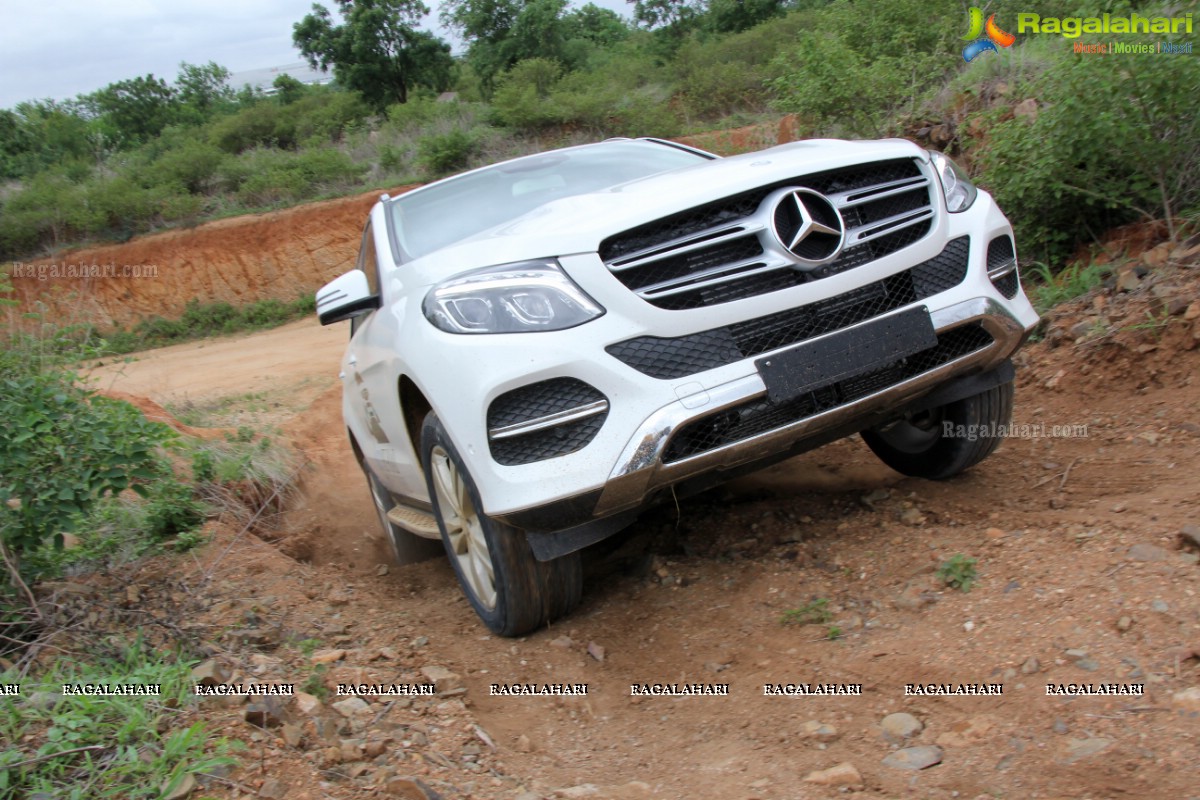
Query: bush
x: 1063, y: 182
x: 521, y: 99
x: 62, y: 449
x: 442, y: 154
x: 107, y: 747
x: 856, y: 73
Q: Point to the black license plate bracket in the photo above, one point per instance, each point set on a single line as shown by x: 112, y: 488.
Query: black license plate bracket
x: 846, y: 354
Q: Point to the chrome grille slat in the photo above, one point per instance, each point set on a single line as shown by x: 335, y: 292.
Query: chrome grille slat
x: 682, y: 245
x: 857, y: 197
x: 865, y: 233
x: 693, y: 282
x: 728, y: 249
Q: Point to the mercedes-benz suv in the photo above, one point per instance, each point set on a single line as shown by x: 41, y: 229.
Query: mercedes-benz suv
x: 543, y: 347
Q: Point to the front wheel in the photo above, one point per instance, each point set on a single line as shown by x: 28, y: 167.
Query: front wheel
x: 945, y: 440
x: 511, y: 591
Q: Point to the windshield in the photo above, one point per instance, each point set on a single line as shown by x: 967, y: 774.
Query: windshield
x: 431, y: 218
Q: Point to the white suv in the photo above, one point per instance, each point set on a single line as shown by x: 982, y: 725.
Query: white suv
x: 542, y: 347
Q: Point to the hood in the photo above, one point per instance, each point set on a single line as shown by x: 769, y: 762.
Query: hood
x: 578, y: 224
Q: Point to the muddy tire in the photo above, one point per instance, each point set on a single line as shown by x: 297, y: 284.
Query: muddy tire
x: 511, y: 591
x: 407, y: 547
x: 944, y: 441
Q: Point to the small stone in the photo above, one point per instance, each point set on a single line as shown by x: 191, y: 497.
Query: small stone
x: 912, y: 517
x: 272, y: 789
x: 1124, y: 624
x: 1060, y: 727
x: 327, y: 656
x: 1193, y: 311
x: 576, y: 792
x: 381, y: 570
x: 1187, y: 700
x: 308, y: 704
x: 408, y: 789
x: 420, y: 641
x: 844, y: 774
x: 820, y: 731
x: 524, y: 745
x: 1159, y: 606
x: 1147, y: 552
x: 442, y: 679
x: 1026, y: 110
x: 265, y: 712
x: 1076, y: 654
x: 994, y: 533
x: 562, y: 643
x: 351, y: 751
x: 899, y: 727
x: 1078, y: 749
x: 595, y: 651
x: 186, y: 786
x: 1190, y: 534
x: 209, y: 673
x: 43, y: 701
x: 914, y: 758
x: 1127, y: 280
x: 292, y: 734
x: 875, y: 496
x: 352, y: 707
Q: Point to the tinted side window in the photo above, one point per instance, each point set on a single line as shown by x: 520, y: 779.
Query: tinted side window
x: 369, y: 264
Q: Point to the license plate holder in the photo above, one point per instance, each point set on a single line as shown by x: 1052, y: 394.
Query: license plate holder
x: 846, y: 354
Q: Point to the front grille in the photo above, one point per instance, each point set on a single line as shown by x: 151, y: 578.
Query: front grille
x: 1000, y: 252
x: 669, y: 358
x: 758, y: 416
x: 726, y: 250
x: 540, y: 401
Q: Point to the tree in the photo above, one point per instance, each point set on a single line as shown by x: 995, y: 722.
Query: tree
x: 203, y: 90
x: 377, y: 50
x: 135, y: 110
x: 287, y: 89
x: 503, y: 32
x: 731, y: 16
x: 600, y: 26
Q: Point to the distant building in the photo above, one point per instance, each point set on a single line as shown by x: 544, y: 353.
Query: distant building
x: 262, y: 79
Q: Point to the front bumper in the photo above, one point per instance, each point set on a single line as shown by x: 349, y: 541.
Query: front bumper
x: 644, y: 468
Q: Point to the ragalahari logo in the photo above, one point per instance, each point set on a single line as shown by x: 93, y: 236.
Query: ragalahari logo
x: 985, y: 36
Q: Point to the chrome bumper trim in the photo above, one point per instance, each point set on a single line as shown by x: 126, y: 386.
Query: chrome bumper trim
x: 640, y: 470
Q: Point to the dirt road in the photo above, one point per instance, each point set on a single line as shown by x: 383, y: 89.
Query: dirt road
x: 1083, y: 577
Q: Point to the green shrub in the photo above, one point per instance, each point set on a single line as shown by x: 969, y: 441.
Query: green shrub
x: 131, y: 747
x: 1114, y: 140
x: 62, y: 449
x: 521, y: 99
x: 857, y: 73
x: 441, y: 154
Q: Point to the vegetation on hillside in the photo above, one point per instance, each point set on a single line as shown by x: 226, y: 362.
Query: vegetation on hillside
x: 1101, y: 141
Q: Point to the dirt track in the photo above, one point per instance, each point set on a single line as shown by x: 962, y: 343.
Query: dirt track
x: 1082, y: 579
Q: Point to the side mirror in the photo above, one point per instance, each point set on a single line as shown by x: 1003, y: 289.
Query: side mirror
x: 344, y: 297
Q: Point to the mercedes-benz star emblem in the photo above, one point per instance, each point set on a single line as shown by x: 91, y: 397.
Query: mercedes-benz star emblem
x: 809, y: 226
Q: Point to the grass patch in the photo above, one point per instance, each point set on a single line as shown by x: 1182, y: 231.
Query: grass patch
x: 1076, y: 280
x: 958, y: 572
x: 200, y: 320
x: 812, y: 613
x: 77, y: 747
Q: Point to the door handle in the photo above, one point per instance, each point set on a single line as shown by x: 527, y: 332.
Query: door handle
x: 352, y: 360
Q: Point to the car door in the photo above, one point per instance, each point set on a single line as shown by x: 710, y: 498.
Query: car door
x: 370, y: 380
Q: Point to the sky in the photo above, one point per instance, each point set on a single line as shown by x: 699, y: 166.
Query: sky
x: 60, y: 48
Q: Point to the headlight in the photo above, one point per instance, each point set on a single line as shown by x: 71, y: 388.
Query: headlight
x: 956, y: 186
x: 512, y: 298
